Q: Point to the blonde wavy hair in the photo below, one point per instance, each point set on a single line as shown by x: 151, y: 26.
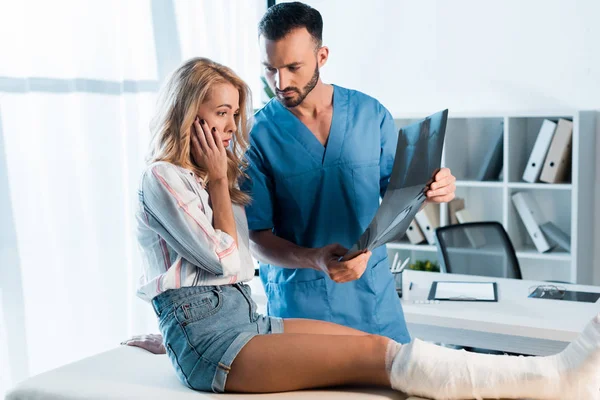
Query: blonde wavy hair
x: 178, y: 101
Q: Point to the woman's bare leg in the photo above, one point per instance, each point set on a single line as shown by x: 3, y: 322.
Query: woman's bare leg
x: 293, y: 361
x: 298, y: 325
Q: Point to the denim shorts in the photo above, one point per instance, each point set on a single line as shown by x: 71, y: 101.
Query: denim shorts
x: 205, y: 327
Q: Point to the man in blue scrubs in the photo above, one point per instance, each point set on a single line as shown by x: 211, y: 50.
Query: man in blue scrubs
x: 320, y: 158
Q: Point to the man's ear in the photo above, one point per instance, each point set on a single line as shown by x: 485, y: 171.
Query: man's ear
x: 322, y: 56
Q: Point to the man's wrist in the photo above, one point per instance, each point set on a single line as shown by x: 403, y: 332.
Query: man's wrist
x: 310, y: 255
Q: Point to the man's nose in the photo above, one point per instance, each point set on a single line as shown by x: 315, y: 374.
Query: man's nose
x: 281, y: 80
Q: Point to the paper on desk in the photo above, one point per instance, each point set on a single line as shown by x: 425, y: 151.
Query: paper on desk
x: 418, y: 157
x: 460, y: 290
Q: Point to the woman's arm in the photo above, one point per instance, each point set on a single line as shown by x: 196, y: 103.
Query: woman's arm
x: 208, y: 150
x: 175, y: 212
x: 223, y: 219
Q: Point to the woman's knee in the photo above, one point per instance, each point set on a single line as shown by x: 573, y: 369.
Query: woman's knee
x: 376, y: 344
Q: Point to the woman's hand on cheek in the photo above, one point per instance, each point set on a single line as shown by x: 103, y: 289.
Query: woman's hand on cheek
x: 196, y: 149
x: 208, y: 150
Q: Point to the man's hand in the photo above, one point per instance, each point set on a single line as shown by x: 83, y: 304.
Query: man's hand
x: 152, y: 343
x: 442, y: 189
x: 326, y: 259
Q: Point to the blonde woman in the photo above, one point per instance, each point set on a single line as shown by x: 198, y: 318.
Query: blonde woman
x: 194, y: 238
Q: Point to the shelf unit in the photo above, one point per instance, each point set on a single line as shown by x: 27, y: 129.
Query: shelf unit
x: 569, y: 205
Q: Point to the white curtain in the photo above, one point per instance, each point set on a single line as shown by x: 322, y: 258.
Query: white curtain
x: 77, y: 88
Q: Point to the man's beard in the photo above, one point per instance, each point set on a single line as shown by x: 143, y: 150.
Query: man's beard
x: 296, y: 101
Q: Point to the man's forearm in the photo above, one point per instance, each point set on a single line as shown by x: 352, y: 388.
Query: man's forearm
x: 268, y: 248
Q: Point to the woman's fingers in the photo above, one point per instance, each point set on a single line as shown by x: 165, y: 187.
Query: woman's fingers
x: 194, y: 138
x: 200, y: 135
x: 217, y: 138
x: 208, y: 150
x: 208, y: 132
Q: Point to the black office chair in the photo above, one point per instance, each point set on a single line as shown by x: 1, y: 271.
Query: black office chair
x: 478, y: 248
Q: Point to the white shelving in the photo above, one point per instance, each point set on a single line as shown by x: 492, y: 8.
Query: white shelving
x: 411, y: 247
x: 569, y: 205
x: 480, y: 184
x: 536, y: 255
x: 541, y: 186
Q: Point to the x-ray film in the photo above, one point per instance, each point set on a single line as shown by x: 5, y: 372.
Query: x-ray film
x: 418, y: 158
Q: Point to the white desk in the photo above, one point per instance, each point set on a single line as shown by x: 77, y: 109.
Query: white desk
x: 515, y: 323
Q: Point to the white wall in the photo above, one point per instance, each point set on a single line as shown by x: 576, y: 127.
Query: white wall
x: 468, y: 56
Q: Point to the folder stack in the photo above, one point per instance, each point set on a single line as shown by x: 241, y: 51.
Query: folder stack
x: 550, y: 158
x: 428, y: 220
x: 533, y: 170
x: 455, y: 205
x: 475, y: 237
x: 556, y: 235
x: 558, y: 160
x: 532, y: 218
x: 415, y: 236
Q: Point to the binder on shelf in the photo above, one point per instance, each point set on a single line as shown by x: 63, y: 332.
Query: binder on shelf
x: 534, y: 166
x: 455, y: 205
x: 492, y: 162
x: 463, y: 216
x: 532, y: 218
x: 556, y: 235
x: 474, y: 236
x: 558, y: 161
x: 428, y: 220
x: 414, y: 234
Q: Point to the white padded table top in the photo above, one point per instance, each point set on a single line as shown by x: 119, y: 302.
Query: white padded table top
x: 133, y: 373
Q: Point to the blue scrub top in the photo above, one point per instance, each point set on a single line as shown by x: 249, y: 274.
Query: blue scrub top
x: 315, y: 195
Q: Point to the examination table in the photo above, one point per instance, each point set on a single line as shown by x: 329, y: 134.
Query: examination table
x: 133, y: 373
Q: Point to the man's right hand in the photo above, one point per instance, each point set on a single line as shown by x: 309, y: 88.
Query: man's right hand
x: 327, y: 258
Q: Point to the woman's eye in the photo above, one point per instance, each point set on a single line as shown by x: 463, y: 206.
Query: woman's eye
x: 221, y: 113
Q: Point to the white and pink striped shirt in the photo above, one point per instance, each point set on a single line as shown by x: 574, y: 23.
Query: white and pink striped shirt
x: 180, y: 247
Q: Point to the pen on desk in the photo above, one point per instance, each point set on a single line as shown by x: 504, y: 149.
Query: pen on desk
x: 404, y: 264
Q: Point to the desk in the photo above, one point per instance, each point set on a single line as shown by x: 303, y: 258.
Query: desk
x: 514, y: 324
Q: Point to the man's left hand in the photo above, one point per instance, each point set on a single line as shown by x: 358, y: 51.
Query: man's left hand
x: 442, y: 188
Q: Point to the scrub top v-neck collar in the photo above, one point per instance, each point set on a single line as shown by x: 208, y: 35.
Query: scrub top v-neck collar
x: 322, y: 155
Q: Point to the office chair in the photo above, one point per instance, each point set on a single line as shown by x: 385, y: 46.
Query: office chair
x: 478, y: 248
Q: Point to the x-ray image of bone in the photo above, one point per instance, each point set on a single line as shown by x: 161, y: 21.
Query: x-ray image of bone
x: 418, y: 158
x: 400, y: 224
x: 389, y: 224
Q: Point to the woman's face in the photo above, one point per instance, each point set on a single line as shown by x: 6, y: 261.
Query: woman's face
x: 221, y: 110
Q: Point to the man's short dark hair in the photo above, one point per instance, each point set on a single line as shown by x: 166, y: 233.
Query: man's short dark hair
x: 282, y: 18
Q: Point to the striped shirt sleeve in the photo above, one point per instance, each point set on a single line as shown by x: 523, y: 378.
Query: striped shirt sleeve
x: 177, y: 215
